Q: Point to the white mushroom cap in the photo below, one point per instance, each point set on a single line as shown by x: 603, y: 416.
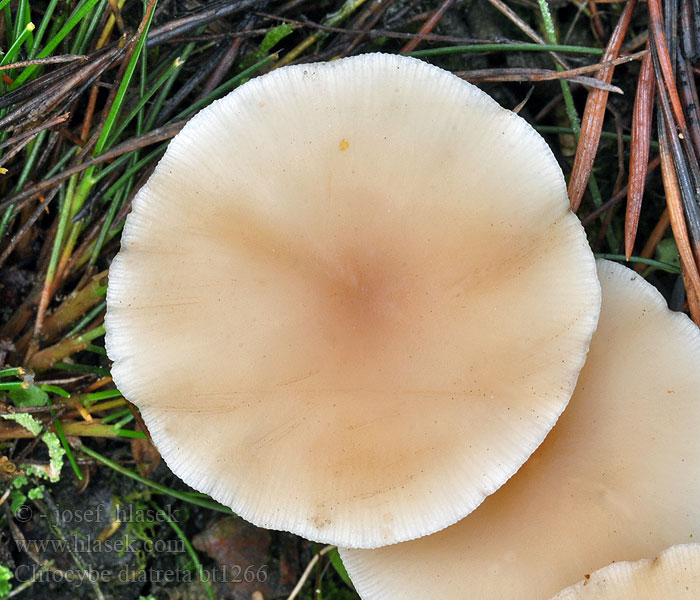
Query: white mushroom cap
x: 351, y: 300
x: 673, y: 575
x: 617, y: 479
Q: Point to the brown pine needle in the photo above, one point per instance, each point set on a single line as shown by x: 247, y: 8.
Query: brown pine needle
x: 593, y: 114
x: 691, y: 104
x: 78, y: 303
x: 153, y: 137
x: 532, y: 74
x: 49, y: 60
x: 685, y: 163
x: 680, y: 231
x: 618, y: 197
x: 508, y: 12
x: 656, y: 23
x: 32, y: 132
x: 655, y: 237
x: 428, y: 26
x: 597, y: 22
x: 639, y: 150
x: 693, y: 298
x: 688, y: 30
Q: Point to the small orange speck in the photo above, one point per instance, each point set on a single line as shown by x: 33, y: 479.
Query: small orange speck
x: 344, y: 145
x: 669, y: 391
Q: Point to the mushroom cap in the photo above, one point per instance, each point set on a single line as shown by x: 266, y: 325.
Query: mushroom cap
x: 351, y: 300
x: 618, y: 478
x: 672, y: 575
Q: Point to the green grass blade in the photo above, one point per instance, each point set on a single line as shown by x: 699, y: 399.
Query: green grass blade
x: 162, y: 515
x: 203, y: 502
x: 515, y: 47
